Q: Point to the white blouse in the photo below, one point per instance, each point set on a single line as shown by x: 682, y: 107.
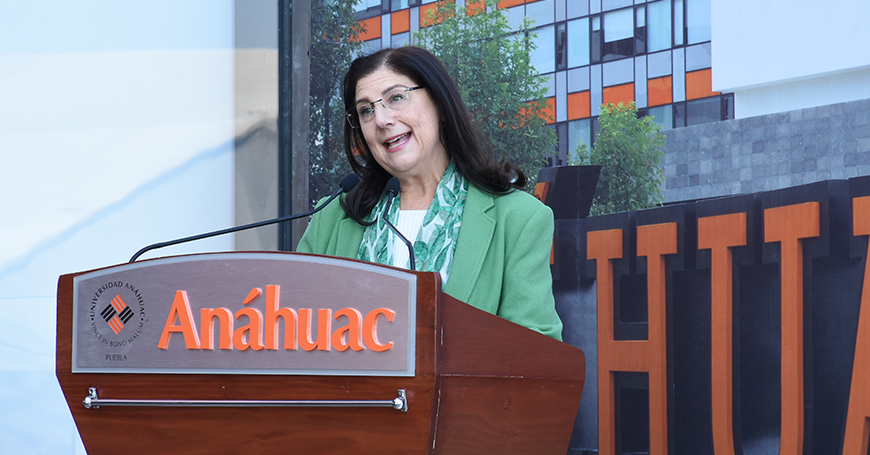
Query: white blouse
x: 409, y: 224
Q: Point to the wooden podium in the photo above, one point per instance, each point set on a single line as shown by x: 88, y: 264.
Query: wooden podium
x: 470, y: 383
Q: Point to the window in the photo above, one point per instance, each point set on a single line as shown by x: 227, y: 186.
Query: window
x: 579, y: 131
x: 697, y: 21
x: 542, y: 56
x: 703, y: 111
x: 363, y: 5
x: 640, y: 31
x: 618, y: 34
x: 628, y: 32
x: 596, y: 39
x: 658, y: 25
x: 678, y: 23
x: 662, y: 115
x: 561, y: 47
x: 578, y: 42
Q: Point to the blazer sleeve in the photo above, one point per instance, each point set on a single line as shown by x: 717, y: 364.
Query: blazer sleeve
x: 313, y: 233
x: 527, y: 293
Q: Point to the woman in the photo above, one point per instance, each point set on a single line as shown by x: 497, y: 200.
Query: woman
x: 490, y: 244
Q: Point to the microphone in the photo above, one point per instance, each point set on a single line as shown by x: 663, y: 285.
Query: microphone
x: 347, y: 184
x: 392, y: 190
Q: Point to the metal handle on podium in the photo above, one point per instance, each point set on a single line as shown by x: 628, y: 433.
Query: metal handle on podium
x: 92, y: 401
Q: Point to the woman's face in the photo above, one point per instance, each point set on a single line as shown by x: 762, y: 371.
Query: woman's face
x: 406, y: 142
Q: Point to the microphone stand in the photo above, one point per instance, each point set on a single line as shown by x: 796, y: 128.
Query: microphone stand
x: 346, y: 185
x: 391, y: 193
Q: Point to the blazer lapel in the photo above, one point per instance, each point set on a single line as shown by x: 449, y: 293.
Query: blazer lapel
x: 475, y: 235
x: 348, y: 238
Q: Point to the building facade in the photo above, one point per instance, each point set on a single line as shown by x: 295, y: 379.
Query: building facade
x: 702, y: 69
x: 655, y: 53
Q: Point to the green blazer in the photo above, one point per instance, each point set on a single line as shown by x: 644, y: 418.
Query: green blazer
x: 501, y: 263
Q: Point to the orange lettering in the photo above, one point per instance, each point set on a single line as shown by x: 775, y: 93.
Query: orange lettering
x: 857, y: 426
x: 650, y: 356
x: 249, y: 335
x: 206, y: 324
x: 180, y: 310
x: 349, y: 336
x: 273, y: 312
x: 655, y: 241
x: 788, y: 225
x: 604, y: 247
x: 324, y: 327
x: 719, y: 234
x: 370, y: 329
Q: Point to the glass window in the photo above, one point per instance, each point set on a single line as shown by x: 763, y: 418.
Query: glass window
x: 728, y: 106
x: 678, y: 23
x: 679, y: 115
x: 640, y: 31
x: 697, y: 21
x: 577, y: 9
x: 562, y: 143
x: 618, y: 34
x: 578, y: 42
x: 363, y: 5
x: 579, y: 131
x: 561, y: 47
x: 596, y: 39
x: 703, y: 111
x: 658, y: 25
x: 541, y: 12
x: 663, y: 115
x: 396, y: 5
x: 545, y: 43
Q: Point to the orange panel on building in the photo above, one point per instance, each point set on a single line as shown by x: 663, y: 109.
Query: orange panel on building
x: 425, y: 21
x: 509, y: 3
x: 618, y: 94
x: 547, y: 112
x: 475, y: 7
x: 579, y: 105
x: 660, y: 91
x: 699, y: 84
x: 372, y: 27
x: 400, y: 21
x: 550, y: 111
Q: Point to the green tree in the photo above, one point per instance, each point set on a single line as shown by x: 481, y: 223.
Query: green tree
x: 334, y: 43
x: 491, y: 65
x: 629, y: 150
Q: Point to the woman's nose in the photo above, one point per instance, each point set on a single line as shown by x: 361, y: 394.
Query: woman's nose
x: 383, y: 116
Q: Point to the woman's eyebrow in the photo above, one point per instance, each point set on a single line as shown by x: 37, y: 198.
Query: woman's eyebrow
x: 387, y: 90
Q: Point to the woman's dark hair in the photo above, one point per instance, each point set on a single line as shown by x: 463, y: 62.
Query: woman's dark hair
x: 458, y: 134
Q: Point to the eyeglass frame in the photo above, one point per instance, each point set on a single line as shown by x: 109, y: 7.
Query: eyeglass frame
x: 354, y: 112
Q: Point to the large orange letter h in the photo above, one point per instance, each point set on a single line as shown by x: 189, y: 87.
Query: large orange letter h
x: 650, y: 356
x: 788, y: 225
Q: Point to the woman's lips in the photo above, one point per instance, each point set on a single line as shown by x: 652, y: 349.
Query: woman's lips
x: 397, y: 142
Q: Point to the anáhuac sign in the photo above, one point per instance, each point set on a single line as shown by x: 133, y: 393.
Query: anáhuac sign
x: 734, y: 325
x: 245, y: 313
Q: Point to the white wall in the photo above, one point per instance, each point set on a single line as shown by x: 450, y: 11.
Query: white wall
x: 780, y: 55
x: 116, y: 131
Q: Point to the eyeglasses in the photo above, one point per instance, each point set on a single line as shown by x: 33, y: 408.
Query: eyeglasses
x: 365, y: 112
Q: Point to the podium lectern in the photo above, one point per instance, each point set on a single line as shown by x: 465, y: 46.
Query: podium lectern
x: 294, y: 353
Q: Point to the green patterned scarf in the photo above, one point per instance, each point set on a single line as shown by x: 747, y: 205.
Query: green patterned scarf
x: 436, y: 241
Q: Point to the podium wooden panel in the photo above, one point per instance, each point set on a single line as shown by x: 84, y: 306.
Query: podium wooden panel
x: 481, y: 385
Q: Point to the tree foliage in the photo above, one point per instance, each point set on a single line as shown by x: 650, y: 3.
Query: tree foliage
x: 334, y: 43
x: 629, y: 150
x: 491, y: 65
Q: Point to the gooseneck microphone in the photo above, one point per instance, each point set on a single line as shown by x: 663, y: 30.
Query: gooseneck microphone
x: 347, y: 184
x: 392, y: 190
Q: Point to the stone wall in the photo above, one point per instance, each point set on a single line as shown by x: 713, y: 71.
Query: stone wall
x: 767, y: 152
